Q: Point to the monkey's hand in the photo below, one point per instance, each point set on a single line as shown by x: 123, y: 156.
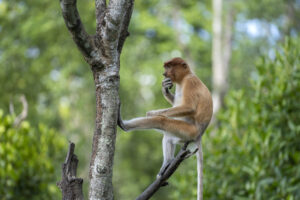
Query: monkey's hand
x: 167, y: 85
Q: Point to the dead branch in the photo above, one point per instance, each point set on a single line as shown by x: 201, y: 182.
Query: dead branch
x: 22, y: 116
x: 70, y: 186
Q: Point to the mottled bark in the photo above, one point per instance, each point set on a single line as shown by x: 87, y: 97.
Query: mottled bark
x: 107, y: 100
x: 183, y: 154
x: 102, y: 52
x: 70, y: 186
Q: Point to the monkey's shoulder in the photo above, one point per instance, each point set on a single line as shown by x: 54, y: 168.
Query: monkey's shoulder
x: 192, y: 84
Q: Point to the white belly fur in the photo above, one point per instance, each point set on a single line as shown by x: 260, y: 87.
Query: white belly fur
x: 177, y: 101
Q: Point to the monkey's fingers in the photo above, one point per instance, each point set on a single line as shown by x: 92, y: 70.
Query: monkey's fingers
x: 120, y: 121
x: 165, y: 81
x: 167, y: 84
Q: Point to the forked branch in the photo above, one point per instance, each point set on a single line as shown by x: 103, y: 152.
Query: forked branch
x: 183, y: 154
x: 76, y: 28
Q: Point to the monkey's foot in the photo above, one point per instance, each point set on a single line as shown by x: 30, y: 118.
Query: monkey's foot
x: 120, y: 121
x: 163, y: 169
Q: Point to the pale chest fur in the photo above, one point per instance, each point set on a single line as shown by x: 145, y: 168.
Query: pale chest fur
x: 178, y: 101
x: 177, y: 96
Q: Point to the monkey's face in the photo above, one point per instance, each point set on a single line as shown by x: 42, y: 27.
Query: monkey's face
x: 170, y: 72
x: 174, y: 72
x: 176, y: 69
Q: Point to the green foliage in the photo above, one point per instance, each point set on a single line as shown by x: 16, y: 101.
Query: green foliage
x: 39, y: 59
x: 255, y: 152
x: 28, y: 157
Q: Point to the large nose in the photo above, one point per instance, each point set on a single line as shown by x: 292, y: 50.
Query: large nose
x: 165, y: 73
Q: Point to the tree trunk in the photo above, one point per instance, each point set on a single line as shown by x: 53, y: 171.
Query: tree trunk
x: 217, y: 58
x: 221, y: 52
x: 102, y: 52
x: 107, y: 101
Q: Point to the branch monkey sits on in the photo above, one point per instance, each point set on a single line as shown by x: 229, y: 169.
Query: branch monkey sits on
x: 186, y: 120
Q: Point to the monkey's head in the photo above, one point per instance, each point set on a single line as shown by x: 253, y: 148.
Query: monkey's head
x: 176, y: 69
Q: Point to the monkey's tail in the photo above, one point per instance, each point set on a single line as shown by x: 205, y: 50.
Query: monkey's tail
x: 199, y: 170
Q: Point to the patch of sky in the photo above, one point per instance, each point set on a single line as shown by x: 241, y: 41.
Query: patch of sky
x: 32, y: 52
x: 54, y: 75
x: 203, y: 34
x: 255, y: 28
x: 204, y: 10
x: 297, y: 4
x: 272, y: 54
x: 183, y: 28
x: 150, y: 33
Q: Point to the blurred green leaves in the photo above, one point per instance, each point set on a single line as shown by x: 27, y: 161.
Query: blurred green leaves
x: 253, y: 150
x: 28, y: 160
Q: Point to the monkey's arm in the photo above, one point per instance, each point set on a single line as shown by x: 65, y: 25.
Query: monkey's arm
x: 166, y: 85
x: 168, y: 95
x: 178, y: 111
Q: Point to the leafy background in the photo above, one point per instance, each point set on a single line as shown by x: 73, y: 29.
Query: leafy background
x: 253, y: 152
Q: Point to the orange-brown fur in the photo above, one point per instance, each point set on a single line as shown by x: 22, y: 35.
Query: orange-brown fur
x: 193, y: 110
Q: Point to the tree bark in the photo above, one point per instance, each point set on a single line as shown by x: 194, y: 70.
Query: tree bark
x: 102, y: 52
x: 70, y: 186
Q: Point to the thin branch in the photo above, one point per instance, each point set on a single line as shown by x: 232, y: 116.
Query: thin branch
x: 124, y: 30
x: 22, y: 116
x: 76, y: 28
x: 70, y: 186
x: 11, y: 108
x: 183, y: 154
x: 117, y: 19
x: 100, y: 13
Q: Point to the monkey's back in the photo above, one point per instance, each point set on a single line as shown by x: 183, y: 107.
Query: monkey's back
x: 199, y: 97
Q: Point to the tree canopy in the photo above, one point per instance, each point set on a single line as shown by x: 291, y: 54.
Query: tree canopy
x: 253, y: 151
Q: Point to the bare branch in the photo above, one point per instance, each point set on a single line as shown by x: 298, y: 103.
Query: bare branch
x: 124, y: 30
x: 118, y: 12
x: 183, y: 154
x: 70, y: 186
x: 76, y: 28
x: 22, y: 116
x: 11, y: 108
x: 100, y: 13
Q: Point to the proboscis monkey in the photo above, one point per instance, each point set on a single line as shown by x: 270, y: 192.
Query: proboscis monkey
x: 186, y: 120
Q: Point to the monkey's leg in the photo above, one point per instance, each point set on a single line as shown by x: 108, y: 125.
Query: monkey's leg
x: 178, y: 128
x: 168, y: 152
